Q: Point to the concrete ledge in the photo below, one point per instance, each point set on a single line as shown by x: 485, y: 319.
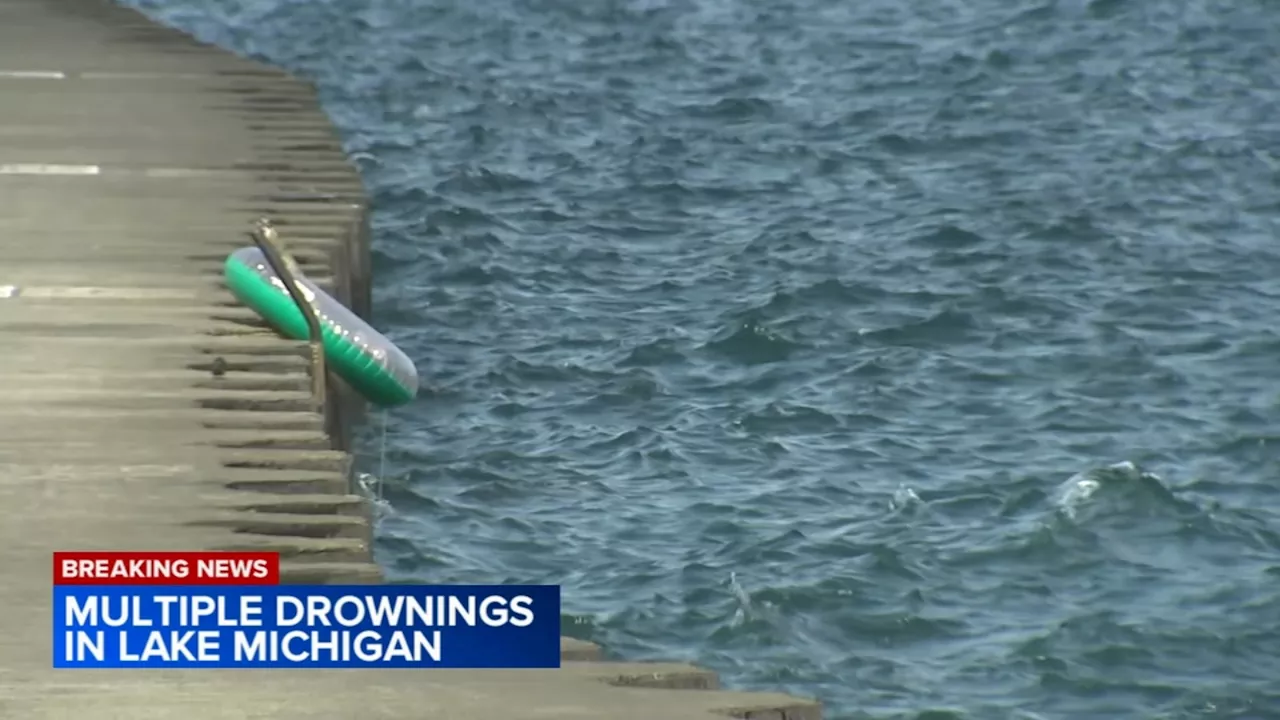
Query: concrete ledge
x: 147, y: 410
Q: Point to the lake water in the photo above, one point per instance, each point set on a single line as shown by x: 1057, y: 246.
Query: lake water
x: 920, y: 357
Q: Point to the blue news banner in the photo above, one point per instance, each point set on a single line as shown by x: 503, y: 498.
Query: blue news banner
x: 297, y: 626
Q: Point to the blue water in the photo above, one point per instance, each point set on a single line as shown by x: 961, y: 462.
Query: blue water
x: 920, y: 357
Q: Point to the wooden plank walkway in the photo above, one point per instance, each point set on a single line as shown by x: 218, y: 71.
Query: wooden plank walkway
x: 132, y: 160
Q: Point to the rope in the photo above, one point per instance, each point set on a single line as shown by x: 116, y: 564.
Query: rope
x: 382, y: 455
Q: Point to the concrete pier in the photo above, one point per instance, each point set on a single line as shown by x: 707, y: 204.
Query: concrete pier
x: 132, y: 160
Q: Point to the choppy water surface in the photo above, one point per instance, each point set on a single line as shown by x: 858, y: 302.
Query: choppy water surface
x: 918, y: 356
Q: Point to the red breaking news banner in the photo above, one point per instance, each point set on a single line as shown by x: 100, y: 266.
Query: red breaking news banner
x: 166, y: 568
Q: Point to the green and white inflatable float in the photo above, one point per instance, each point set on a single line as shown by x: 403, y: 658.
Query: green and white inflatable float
x: 368, y: 361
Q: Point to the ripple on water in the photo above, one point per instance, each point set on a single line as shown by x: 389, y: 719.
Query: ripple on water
x: 800, y: 339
